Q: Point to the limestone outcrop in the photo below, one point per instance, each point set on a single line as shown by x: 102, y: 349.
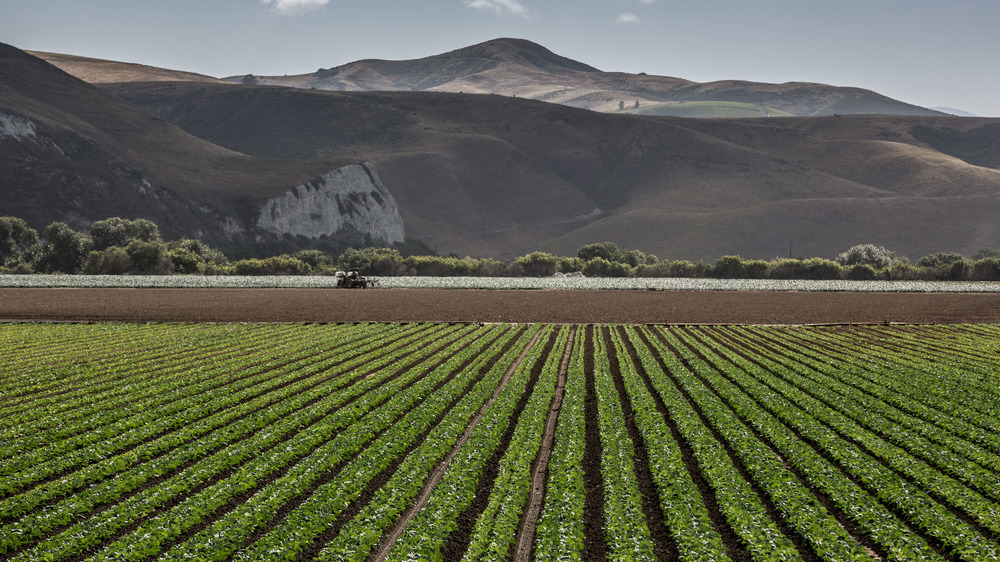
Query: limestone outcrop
x: 351, y: 198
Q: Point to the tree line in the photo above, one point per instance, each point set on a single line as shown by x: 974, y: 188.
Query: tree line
x: 116, y: 246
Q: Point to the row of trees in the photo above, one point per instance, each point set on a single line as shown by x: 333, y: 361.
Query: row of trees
x: 119, y: 246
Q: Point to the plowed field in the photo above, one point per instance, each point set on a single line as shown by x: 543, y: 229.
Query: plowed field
x: 554, y: 306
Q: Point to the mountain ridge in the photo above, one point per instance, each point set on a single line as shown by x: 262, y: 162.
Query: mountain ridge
x: 499, y: 176
x: 522, y: 68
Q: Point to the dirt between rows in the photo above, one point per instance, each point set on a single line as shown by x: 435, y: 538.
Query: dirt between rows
x: 477, y: 305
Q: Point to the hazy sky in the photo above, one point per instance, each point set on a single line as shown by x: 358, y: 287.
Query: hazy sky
x: 926, y: 52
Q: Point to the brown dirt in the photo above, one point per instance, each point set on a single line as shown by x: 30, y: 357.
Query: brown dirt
x: 437, y: 305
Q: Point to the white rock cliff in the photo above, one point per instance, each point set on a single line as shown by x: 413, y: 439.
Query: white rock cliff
x: 352, y: 197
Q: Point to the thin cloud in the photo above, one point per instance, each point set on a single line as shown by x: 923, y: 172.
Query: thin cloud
x: 628, y: 18
x: 500, y: 7
x: 292, y: 7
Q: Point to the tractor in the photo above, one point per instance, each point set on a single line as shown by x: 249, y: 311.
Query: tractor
x: 353, y: 280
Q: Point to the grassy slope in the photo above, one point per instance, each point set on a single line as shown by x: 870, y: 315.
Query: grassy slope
x: 167, y: 155
x: 493, y: 175
x: 99, y: 71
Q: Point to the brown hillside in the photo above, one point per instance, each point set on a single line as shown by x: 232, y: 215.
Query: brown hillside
x: 516, y: 67
x: 91, y: 155
x: 99, y: 71
x: 491, y: 175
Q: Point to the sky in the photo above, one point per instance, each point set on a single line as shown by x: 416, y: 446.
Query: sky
x: 926, y: 52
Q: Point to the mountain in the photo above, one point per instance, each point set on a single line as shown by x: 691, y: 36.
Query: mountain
x: 516, y: 67
x: 75, y: 153
x: 521, y: 68
x: 488, y: 175
x: 500, y: 176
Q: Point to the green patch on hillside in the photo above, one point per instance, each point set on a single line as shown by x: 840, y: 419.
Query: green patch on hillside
x: 709, y: 110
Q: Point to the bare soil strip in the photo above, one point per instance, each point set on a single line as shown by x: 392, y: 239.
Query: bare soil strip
x: 458, y: 540
x: 477, y: 305
x: 594, y: 537
x: 524, y: 543
x: 387, y: 542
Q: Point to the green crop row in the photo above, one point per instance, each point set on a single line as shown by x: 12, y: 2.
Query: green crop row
x: 418, y: 441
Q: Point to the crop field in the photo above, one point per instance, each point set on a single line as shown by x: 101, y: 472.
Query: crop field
x: 422, y: 441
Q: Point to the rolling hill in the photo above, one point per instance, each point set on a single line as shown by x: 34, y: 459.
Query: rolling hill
x: 497, y: 175
x: 75, y: 153
x: 521, y: 68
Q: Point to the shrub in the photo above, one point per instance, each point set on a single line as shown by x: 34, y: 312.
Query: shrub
x: 186, y: 261
x: 683, y: 268
x: 276, y: 265
x: 869, y: 254
x: 109, y: 261
x: 983, y: 253
x: 986, y: 269
x: 15, y: 237
x: 116, y: 231
x: 318, y: 260
x: 729, y: 267
x: 660, y: 269
x: 538, y: 264
x: 149, y: 257
x: 635, y: 258
x: 569, y: 265
x: 64, y: 251
x: 608, y: 251
x: 940, y: 259
x: 374, y: 261
x: 862, y: 272
x: 600, y: 267
x: 960, y: 270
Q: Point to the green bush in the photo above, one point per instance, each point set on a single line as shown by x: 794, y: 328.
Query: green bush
x: 600, y: 267
x: 607, y: 251
x: 870, y: 254
x: 109, y: 261
x: 538, y: 264
x: 64, y: 251
x: 940, y: 260
x: 15, y: 238
x: 570, y: 265
x: 186, y: 261
x: 960, y: 270
x: 116, y: 231
x: 149, y: 257
x: 276, y: 265
x: 684, y: 268
x: 862, y: 272
x: 986, y: 269
x: 729, y: 267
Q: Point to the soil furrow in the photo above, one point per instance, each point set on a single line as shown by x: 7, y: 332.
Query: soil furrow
x: 734, y: 548
x: 594, y: 538
x: 524, y: 542
x: 800, y: 544
x: 937, y: 496
x: 664, y: 546
x: 389, y: 538
x: 818, y: 449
